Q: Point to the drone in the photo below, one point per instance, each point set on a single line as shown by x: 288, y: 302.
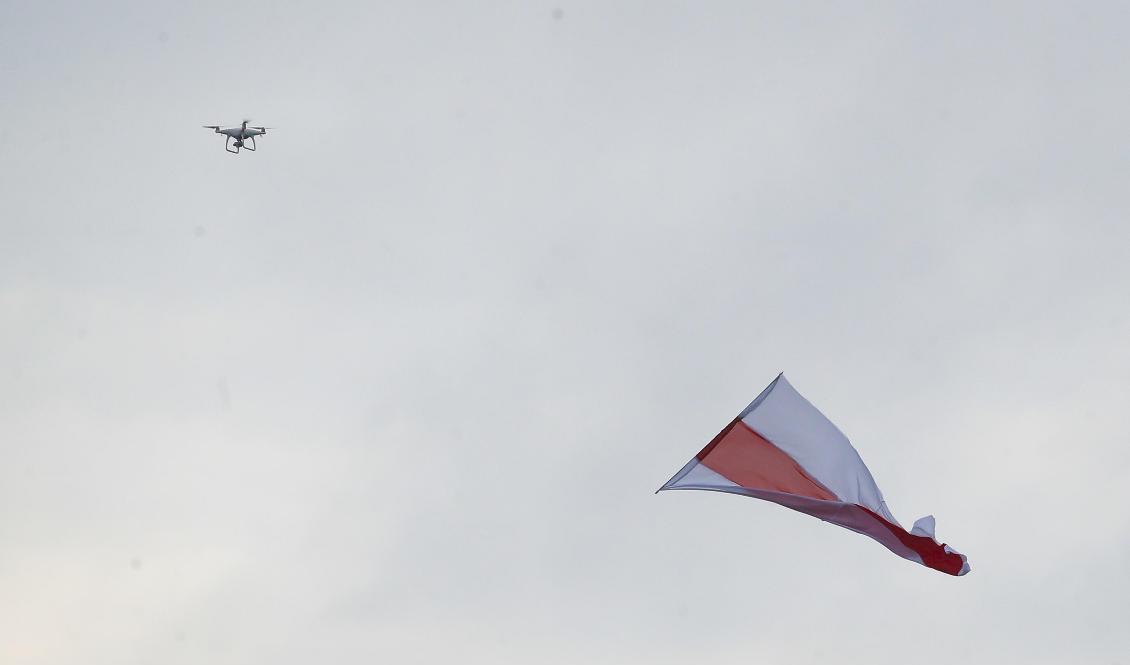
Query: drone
x: 240, y: 134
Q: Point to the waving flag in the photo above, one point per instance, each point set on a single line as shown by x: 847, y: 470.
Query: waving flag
x: 782, y: 449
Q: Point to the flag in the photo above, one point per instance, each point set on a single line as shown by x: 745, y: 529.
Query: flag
x: 782, y: 449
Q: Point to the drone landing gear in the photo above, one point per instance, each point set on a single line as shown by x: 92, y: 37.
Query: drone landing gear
x: 240, y: 143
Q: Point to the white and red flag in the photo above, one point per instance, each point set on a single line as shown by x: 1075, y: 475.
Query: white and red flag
x: 782, y: 449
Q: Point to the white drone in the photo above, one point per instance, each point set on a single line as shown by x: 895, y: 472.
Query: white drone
x: 240, y: 134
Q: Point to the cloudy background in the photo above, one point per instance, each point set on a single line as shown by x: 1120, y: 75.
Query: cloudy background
x: 399, y: 389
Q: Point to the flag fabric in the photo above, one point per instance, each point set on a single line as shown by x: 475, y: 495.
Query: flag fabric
x: 782, y: 449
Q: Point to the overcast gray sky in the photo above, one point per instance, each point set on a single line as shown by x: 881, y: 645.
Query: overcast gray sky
x: 399, y: 386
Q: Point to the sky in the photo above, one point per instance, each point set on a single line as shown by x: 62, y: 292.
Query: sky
x: 400, y: 385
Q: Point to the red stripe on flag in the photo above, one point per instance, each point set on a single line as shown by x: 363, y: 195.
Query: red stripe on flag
x: 743, y: 456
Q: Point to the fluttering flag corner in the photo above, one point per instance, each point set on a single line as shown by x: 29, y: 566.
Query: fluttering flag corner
x: 782, y: 449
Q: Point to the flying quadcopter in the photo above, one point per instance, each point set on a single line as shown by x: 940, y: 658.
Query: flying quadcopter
x: 240, y: 134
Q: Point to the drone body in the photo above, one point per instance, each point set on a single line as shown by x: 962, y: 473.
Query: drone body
x: 240, y: 134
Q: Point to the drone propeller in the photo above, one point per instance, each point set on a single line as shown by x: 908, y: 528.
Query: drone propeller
x: 210, y: 126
